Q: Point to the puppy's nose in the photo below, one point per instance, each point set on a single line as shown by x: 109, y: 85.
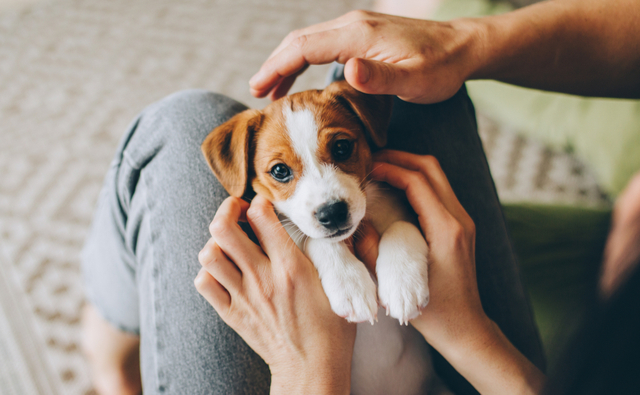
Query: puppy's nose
x: 333, y: 215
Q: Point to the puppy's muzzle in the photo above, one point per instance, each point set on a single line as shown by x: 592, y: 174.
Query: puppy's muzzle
x: 334, y: 216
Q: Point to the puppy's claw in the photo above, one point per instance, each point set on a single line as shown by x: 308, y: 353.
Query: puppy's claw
x: 424, y: 304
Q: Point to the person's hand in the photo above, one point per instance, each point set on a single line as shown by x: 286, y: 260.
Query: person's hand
x: 420, y: 61
x: 454, y: 304
x: 453, y: 322
x: 272, y: 296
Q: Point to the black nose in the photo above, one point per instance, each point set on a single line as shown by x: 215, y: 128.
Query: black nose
x: 333, y: 215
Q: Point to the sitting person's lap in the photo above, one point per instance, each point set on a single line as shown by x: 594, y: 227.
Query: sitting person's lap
x: 160, y: 196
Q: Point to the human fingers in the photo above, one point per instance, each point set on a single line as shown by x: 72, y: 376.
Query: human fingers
x: 432, y: 213
x: 272, y: 236
x: 313, y: 42
x: 281, y: 89
x: 430, y: 167
x: 318, y: 27
x: 213, y: 292
x: 216, y: 263
x: 426, y: 164
x: 231, y: 239
x: 317, y: 48
x: 385, y: 78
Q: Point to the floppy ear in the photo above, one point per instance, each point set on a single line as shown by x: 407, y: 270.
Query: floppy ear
x: 226, y: 149
x: 373, y: 110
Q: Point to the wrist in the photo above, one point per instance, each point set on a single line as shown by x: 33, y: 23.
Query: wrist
x: 473, y: 45
x: 311, y: 382
x: 484, y: 335
x: 317, y: 378
x: 521, y: 46
x: 457, y: 339
x: 487, y: 359
x: 490, y: 49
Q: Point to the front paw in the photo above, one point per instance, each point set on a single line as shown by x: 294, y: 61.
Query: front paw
x: 351, y: 292
x: 402, y: 272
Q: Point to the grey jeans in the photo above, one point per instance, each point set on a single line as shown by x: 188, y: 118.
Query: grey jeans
x: 152, y: 219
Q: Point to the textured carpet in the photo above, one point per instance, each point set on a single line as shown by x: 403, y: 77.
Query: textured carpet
x: 73, y: 73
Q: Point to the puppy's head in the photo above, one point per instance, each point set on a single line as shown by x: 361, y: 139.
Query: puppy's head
x: 308, y: 153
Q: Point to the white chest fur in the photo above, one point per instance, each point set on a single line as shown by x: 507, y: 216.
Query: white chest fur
x: 388, y: 358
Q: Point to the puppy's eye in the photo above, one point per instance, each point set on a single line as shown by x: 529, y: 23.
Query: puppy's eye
x: 342, y: 150
x: 281, y: 172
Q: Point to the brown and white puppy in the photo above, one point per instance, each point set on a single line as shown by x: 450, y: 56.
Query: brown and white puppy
x: 309, y: 154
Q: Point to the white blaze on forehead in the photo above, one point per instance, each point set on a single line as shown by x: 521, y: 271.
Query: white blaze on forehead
x: 303, y: 132
x: 319, y: 183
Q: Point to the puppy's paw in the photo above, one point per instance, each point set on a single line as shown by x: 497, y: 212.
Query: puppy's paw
x: 351, y: 292
x: 402, y: 272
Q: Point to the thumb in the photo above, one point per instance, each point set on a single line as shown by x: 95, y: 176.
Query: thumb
x: 379, y: 78
x: 267, y: 227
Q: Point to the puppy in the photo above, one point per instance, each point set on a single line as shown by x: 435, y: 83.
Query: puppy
x: 310, y: 154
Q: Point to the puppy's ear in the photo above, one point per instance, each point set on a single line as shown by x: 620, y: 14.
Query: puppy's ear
x: 373, y: 110
x: 226, y: 149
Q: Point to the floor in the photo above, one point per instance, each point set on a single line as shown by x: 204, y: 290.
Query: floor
x: 17, y: 4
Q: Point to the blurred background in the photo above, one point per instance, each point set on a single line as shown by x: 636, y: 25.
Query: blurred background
x: 73, y: 73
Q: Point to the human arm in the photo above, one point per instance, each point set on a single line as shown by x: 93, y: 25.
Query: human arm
x: 584, y: 47
x: 272, y: 296
x: 454, y: 322
x: 587, y: 47
x: 622, y: 250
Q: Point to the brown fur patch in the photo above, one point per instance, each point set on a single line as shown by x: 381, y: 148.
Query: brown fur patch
x: 260, y: 139
x: 273, y: 145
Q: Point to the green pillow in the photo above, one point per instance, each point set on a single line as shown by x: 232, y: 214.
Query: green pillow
x: 604, y: 133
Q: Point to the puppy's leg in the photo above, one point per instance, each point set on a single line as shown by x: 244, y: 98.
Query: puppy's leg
x: 402, y: 271
x: 346, y: 281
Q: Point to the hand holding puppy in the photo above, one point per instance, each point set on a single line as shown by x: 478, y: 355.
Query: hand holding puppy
x: 272, y: 296
x: 454, y: 322
x: 450, y: 233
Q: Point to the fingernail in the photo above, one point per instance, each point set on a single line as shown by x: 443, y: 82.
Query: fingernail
x: 204, y: 256
x: 364, y: 73
x: 255, y: 78
x: 198, y: 280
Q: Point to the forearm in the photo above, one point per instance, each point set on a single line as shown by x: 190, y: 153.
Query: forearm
x: 586, y: 47
x: 488, y: 360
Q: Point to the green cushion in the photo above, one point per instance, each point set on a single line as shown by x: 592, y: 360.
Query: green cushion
x: 559, y: 249
x: 604, y: 133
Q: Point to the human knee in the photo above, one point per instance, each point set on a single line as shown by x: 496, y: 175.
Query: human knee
x: 186, y: 117
x: 194, y: 103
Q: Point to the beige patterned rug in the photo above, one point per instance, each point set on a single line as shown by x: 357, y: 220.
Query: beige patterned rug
x: 73, y: 73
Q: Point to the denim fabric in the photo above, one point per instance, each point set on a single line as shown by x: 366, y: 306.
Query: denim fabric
x: 152, y: 220
x: 141, y: 256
